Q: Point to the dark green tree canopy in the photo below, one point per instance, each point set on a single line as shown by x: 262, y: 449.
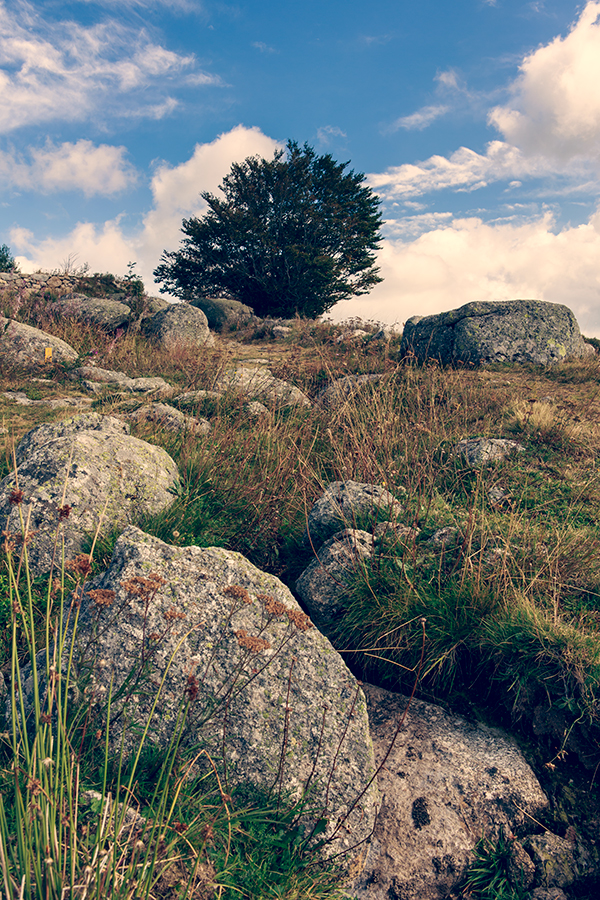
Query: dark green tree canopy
x: 7, y: 260
x: 293, y: 234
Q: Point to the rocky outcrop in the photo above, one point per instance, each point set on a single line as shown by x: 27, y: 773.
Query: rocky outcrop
x: 263, y: 684
x: 26, y: 347
x: 445, y: 784
x: 77, y: 475
x: 523, y: 331
x: 261, y: 384
x: 103, y: 311
x: 179, y: 325
x: 349, y: 504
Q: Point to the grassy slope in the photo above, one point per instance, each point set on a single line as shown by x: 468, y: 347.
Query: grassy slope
x: 512, y: 606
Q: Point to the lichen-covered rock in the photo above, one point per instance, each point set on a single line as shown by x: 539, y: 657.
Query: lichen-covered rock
x: 558, y: 862
x: 25, y: 347
x: 91, y: 465
x: 322, y: 585
x: 221, y: 312
x: 342, y: 389
x: 103, y: 311
x: 523, y: 331
x: 262, y: 682
x: 261, y: 383
x: 481, y: 451
x: 169, y: 418
x: 349, y: 504
x: 179, y: 325
x: 445, y: 784
x: 96, y: 380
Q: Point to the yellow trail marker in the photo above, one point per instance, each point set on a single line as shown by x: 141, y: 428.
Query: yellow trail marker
x: 48, y: 355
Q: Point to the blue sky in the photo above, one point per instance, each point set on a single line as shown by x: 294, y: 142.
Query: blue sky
x: 477, y: 123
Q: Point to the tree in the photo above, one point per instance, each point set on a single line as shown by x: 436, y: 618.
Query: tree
x: 7, y: 260
x: 293, y: 234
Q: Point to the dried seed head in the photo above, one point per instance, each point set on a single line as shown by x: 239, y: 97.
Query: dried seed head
x: 273, y: 607
x: 173, y: 613
x: 299, y: 619
x: 237, y: 592
x: 102, y: 596
x: 144, y: 588
x: 80, y: 565
x: 16, y: 497
x: 64, y: 511
x: 191, y: 688
x: 250, y: 642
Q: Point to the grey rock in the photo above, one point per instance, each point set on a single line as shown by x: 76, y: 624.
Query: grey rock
x: 521, y: 867
x: 259, y: 383
x: 179, y: 325
x: 349, y: 337
x: 288, y: 711
x: 256, y: 409
x: 445, y: 537
x: 349, y: 504
x: 445, y: 783
x: 169, y: 418
x: 482, y: 451
x: 109, y: 314
x: 322, y: 585
x: 97, y: 380
x: 192, y: 398
x: 555, y: 860
x: 22, y: 399
x: 344, y: 388
x: 153, y: 305
x: 94, y: 466
x: 541, y: 893
x: 24, y: 346
x: 523, y: 331
x: 280, y: 332
x: 222, y: 313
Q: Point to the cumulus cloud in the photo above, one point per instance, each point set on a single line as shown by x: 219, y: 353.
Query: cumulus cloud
x: 94, y: 170
x: 555, y: 109
x: 61, y: 70
x: 467, y: 259
x: 176, y: 195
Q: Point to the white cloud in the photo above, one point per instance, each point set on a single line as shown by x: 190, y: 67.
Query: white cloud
x: 468, y: 259
x: 420, y: 119
x: 176, y: 192
x: 464, y: 169
x: 555, y: 109
x: 52, y: 71
x: 101, y: 170
x: 327, y: 132
x: 411, y: 226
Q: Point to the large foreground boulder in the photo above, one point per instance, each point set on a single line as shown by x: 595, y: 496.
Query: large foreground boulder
x: 77, y: 474
x: 522, y: 331
x: 445, y: 784
x: 25, y: 347
x: 271, y: 701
